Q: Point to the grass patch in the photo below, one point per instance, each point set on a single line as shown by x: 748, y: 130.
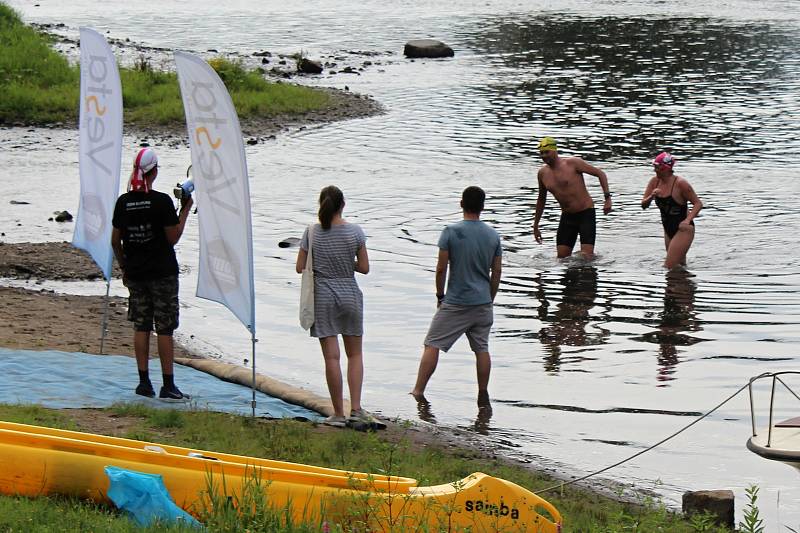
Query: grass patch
x: 391, y: 453
x: 35, y: 415
x: 39, y: 86
x: 51, y: 515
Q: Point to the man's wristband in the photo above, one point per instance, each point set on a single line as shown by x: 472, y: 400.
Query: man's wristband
x: 440, y: 297
x: 607, y: 195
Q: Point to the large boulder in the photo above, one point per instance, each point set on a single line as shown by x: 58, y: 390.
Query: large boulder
x: 427, y: 48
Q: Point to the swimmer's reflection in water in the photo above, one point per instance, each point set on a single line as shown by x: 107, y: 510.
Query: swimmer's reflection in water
x: 678, y: 316
x: 566, y: 325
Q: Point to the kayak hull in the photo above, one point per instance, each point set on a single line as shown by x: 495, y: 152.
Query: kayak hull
x: 36, y: 461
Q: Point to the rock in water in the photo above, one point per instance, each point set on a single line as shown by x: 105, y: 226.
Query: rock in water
x: 309, y: 66
x: 63, y: 216
x: 427, y: 48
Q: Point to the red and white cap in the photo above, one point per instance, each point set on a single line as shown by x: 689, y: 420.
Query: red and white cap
x: 145, y: 161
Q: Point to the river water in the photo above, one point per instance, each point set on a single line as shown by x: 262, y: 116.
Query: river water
x: 592, y: 362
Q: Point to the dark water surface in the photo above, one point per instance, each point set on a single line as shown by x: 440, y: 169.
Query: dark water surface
x: 592, y: 362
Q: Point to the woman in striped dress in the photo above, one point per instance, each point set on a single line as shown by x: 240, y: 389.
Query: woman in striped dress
x: 339, y: 250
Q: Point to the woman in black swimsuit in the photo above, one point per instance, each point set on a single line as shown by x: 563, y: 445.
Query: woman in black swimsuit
x: 672, y: 195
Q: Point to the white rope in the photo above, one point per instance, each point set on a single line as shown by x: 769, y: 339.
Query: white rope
x: 634, y: 456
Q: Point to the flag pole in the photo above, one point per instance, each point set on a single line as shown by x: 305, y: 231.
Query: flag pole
x: 253, y: 359
x: 105, y: 317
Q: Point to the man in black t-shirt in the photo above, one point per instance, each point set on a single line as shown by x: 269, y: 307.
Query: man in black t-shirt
x: 146, y: 229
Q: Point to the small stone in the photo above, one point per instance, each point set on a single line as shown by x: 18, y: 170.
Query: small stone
x: 63, y: 216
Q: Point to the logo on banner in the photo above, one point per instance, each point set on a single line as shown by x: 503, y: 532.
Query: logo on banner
x: 223, y: 264
x: 94, y: 217
x: 223, y: 261
x: 94, y: 122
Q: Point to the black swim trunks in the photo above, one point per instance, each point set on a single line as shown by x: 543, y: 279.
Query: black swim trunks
x: 572, y: 224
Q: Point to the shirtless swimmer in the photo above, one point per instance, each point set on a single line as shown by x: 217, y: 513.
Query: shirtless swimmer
x: 563, y: 177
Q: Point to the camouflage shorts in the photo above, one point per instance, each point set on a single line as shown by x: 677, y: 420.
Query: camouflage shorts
x: 154, y: 301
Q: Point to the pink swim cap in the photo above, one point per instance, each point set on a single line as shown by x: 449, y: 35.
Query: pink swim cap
x: 664, y: 158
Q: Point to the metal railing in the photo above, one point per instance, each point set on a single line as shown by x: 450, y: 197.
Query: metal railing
x: 776, y: 377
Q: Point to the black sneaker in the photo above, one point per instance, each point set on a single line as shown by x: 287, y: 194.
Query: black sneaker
x: 145, y: 389
x: 172, y: 395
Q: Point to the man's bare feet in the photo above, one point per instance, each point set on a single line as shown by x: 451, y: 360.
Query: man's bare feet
x: 483, y: 399
x: 424, y: 408
x: 419, y: 396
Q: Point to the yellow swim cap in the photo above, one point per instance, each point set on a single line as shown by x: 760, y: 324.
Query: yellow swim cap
x: 547, y: 143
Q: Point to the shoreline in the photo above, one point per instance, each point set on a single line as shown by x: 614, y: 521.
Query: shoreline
x: 344, y: 105
x: 273, y: 66
x: 43, y: 319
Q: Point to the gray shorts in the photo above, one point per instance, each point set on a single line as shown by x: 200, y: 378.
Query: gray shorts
x: 451, y: 321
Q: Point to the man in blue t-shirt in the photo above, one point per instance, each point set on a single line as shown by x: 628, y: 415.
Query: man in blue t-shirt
x: 472, y: 251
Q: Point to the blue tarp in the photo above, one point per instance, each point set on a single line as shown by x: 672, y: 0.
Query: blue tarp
x: 73, y: 379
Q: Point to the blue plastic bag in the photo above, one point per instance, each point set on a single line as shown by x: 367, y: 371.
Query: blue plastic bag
x: 144, y: 497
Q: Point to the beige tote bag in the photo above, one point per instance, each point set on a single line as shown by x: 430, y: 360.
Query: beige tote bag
x: 307, y: 287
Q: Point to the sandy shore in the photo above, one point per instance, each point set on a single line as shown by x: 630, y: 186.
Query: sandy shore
x: 45, y: 320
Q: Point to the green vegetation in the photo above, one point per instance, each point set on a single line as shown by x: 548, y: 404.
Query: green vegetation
x: 752, y: 523
x: 289, y: 440
x: 39, y: 86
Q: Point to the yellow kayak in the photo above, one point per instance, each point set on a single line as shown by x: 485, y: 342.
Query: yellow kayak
x: 37, y: 461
